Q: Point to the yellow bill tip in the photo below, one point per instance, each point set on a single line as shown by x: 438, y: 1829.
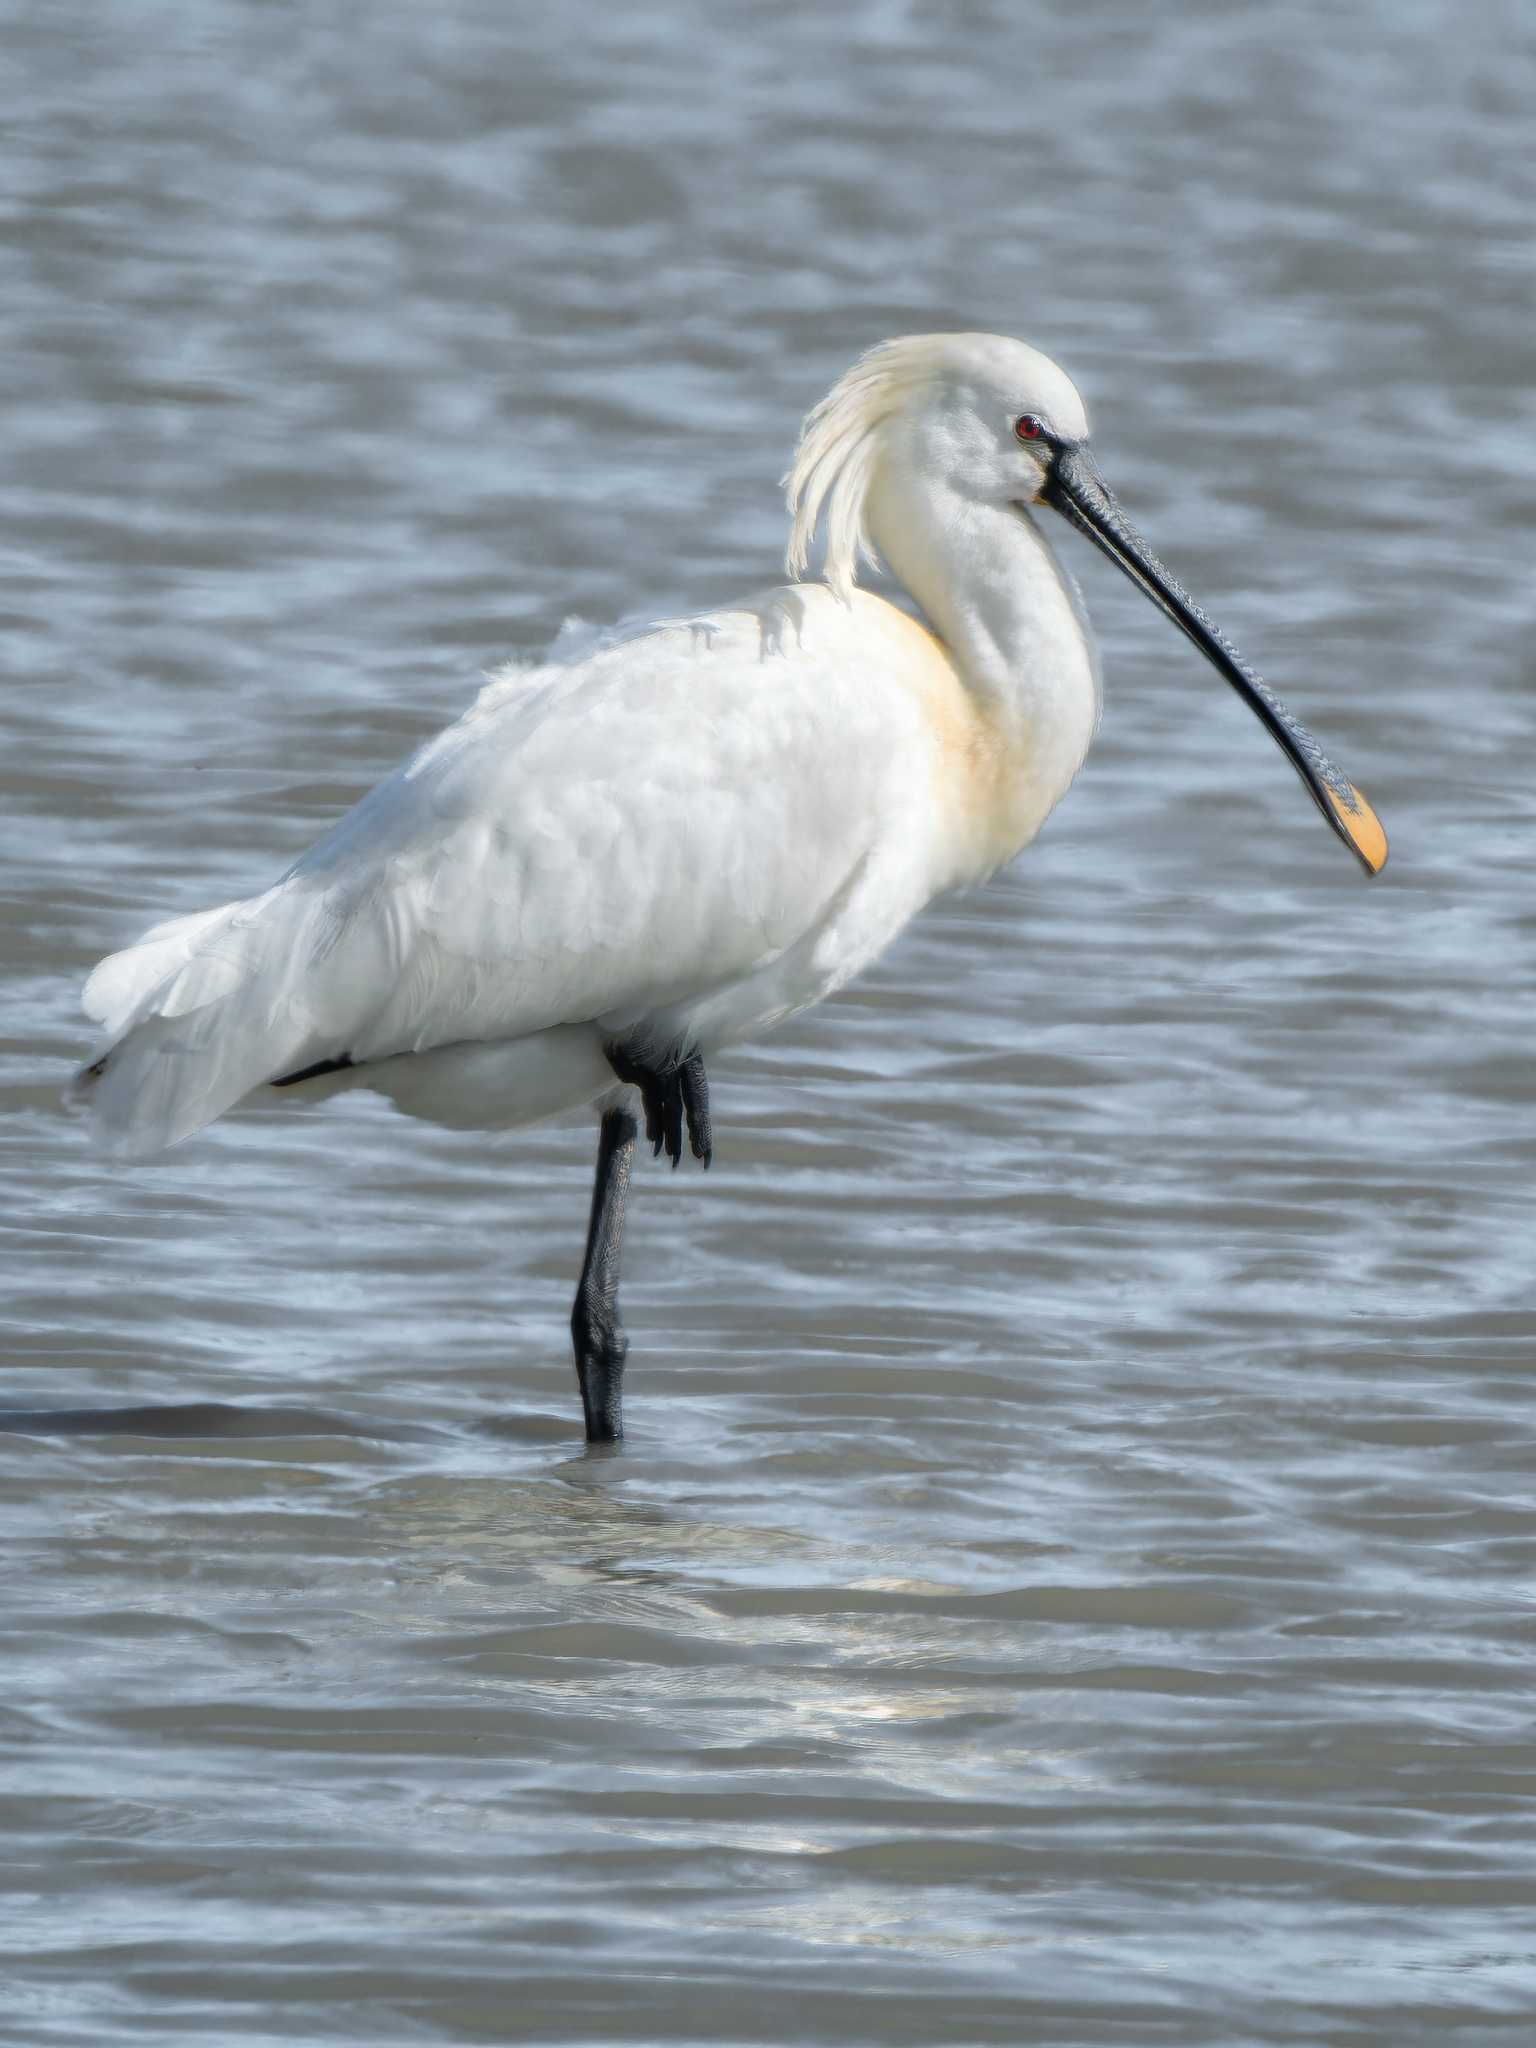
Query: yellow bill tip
x: 1362, y: 828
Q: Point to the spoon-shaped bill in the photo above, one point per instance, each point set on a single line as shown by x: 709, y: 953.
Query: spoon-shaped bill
x: 1080, y: 494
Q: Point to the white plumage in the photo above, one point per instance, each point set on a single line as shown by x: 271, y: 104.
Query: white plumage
x: 620, y: 861
x: 678, y: 839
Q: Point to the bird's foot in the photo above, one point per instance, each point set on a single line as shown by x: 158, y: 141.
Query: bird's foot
x: 674, y: 1094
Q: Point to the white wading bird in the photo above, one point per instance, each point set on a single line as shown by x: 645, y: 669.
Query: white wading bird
x: 612, y: 866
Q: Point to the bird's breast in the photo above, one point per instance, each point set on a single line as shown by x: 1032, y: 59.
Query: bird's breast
x: 1000, y: 760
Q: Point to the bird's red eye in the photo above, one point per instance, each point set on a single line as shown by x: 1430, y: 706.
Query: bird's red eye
x: 1027, y: 427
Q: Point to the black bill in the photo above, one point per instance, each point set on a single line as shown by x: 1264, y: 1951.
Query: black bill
x: 1076, y: 490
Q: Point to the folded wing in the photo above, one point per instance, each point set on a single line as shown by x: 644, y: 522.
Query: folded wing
x: 601, y: 840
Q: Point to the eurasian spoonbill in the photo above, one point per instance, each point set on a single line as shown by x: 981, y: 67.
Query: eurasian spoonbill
x: 613, y: 865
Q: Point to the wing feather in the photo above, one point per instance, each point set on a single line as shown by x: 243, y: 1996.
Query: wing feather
x: 589, y: 840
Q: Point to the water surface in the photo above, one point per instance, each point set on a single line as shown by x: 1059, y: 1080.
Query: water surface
x: 1069, y: 1575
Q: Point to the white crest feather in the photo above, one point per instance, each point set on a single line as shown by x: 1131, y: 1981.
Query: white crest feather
x: 839, y: 445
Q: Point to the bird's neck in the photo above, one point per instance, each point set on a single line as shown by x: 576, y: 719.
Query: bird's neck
x: 994, y: 592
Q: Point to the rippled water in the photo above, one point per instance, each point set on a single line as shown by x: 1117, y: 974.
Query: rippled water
x: 1069, y: 1578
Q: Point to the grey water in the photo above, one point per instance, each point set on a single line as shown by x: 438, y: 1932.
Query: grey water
x: 1069, y: 1577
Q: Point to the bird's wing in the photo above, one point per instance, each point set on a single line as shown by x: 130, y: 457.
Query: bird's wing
x: 591, y: 840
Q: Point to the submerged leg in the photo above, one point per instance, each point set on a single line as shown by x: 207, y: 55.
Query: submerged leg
x: 672, y: 1094
x: 601, y: 1346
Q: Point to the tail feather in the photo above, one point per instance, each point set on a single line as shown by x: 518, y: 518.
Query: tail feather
x: 121, y: 983
x: 201, y: 1011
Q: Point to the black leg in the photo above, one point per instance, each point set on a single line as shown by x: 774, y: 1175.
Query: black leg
x: 671, y: 1094
x: 601, y: 1345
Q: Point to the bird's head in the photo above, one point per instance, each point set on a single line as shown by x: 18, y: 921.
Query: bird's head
x: 991, y: 420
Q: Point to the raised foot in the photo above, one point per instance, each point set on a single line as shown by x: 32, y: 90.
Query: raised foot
x: 673, y: 1094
